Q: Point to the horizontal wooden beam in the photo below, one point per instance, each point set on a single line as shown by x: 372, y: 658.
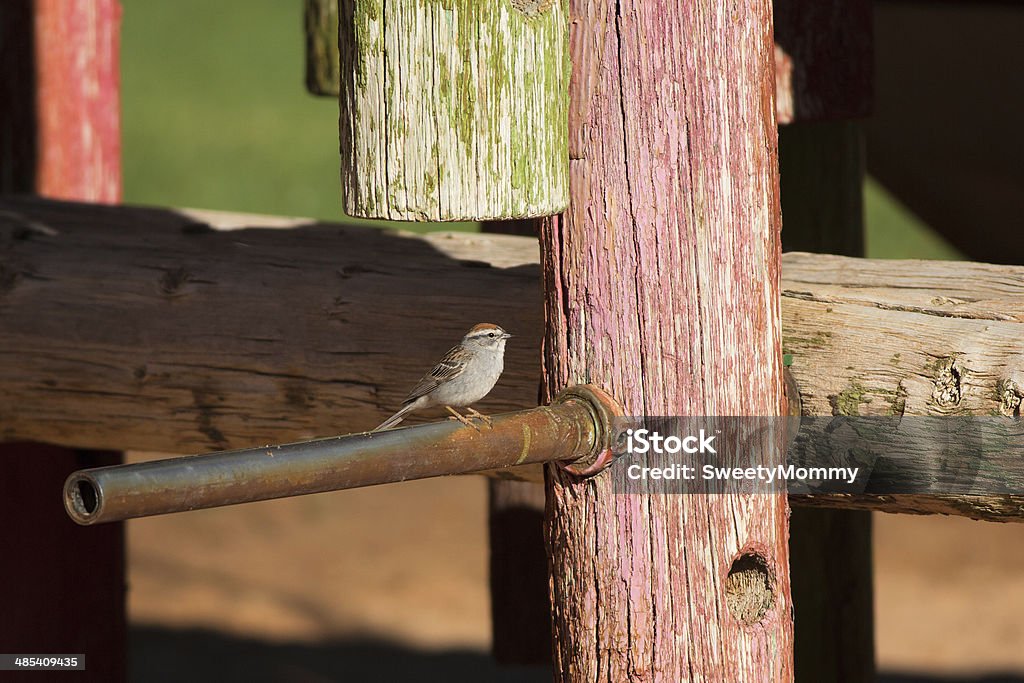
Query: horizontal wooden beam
x: 183, y: 331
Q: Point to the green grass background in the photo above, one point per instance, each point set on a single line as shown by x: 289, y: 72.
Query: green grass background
x: 216, y: 115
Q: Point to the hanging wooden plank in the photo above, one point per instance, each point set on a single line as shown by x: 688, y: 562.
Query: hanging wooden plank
x: 322, y: 64
x: 454, y: 111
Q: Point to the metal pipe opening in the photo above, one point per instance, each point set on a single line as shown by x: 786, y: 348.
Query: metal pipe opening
x: 82, y: 498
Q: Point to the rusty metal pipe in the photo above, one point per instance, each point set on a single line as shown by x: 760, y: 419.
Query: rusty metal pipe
x: 577, y: 428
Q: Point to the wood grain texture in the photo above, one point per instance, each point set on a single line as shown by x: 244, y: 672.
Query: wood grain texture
x: 186, y: 331
x: 974, y: 366
x: 77, y: 44
x: 661, y: 286
x: 246, y: 336
x: 971, y: 366
x: 453, y: 110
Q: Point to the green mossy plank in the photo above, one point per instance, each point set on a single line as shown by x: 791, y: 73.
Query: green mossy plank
x: 454, y: 109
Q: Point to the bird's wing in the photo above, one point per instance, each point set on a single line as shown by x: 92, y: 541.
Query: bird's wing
x: 449, y: 367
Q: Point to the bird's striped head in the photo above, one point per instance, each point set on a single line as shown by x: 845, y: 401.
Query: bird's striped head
x: 486, y: 335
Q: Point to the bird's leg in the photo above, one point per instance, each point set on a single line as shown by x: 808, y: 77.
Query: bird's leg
x: 480, y: 416
x: 460, y: 418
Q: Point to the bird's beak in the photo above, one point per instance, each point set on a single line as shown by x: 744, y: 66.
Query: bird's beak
x: 506, y: 335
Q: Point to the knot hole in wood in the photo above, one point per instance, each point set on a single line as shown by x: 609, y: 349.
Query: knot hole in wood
x: 1011, y: 398
x: 948, y: 379
x: 749, y: 588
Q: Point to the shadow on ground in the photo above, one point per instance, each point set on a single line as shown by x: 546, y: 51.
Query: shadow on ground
x: 201, y: 656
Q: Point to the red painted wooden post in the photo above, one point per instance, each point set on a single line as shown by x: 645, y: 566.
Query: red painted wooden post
x: 63, y: 586
x: 661, y: 285
x: 78, y: 100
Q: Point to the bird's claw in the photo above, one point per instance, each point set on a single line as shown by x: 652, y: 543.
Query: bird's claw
x: 480, y: 416
x: 461, y: 418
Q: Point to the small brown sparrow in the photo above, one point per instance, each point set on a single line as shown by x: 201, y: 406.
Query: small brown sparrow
x: 465, y: 375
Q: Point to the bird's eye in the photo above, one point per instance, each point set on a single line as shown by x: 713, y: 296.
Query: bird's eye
x: 490, y: 334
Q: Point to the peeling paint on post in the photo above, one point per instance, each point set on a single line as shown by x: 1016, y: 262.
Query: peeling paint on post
x: 661, y: 285
x: 454, y: 110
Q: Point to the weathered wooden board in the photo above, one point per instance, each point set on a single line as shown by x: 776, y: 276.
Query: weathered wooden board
x: 136, y: 328
x: 454, y: 110
x: 59, y: 137
x: 232, y: 338
x: 907, y: 338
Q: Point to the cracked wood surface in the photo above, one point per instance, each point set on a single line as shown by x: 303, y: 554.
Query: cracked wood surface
x: 661, y: 286
x: 453, y: 110
x: 149, y: 329
x: 182, y: 332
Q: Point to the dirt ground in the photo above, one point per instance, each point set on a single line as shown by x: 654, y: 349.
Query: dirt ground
x: 390, y: 583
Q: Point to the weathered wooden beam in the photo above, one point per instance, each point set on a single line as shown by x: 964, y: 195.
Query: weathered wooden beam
x: 149, y: 329
x: 454, y: 110
x: 155, y: 329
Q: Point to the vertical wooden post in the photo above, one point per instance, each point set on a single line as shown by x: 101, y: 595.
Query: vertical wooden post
x: 822, y: 169
x: 824, y: 52
x: 77, y: 99
x: 661, y: 285
x: 63, y: 586
x: 520, y: 607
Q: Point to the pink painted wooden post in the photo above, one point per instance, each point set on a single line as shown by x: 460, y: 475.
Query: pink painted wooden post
x: 77, y: 99
x: 63, y: 586
x: 661, y: 285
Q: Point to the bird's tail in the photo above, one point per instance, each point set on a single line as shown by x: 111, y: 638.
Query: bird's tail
x: 394, y: 419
